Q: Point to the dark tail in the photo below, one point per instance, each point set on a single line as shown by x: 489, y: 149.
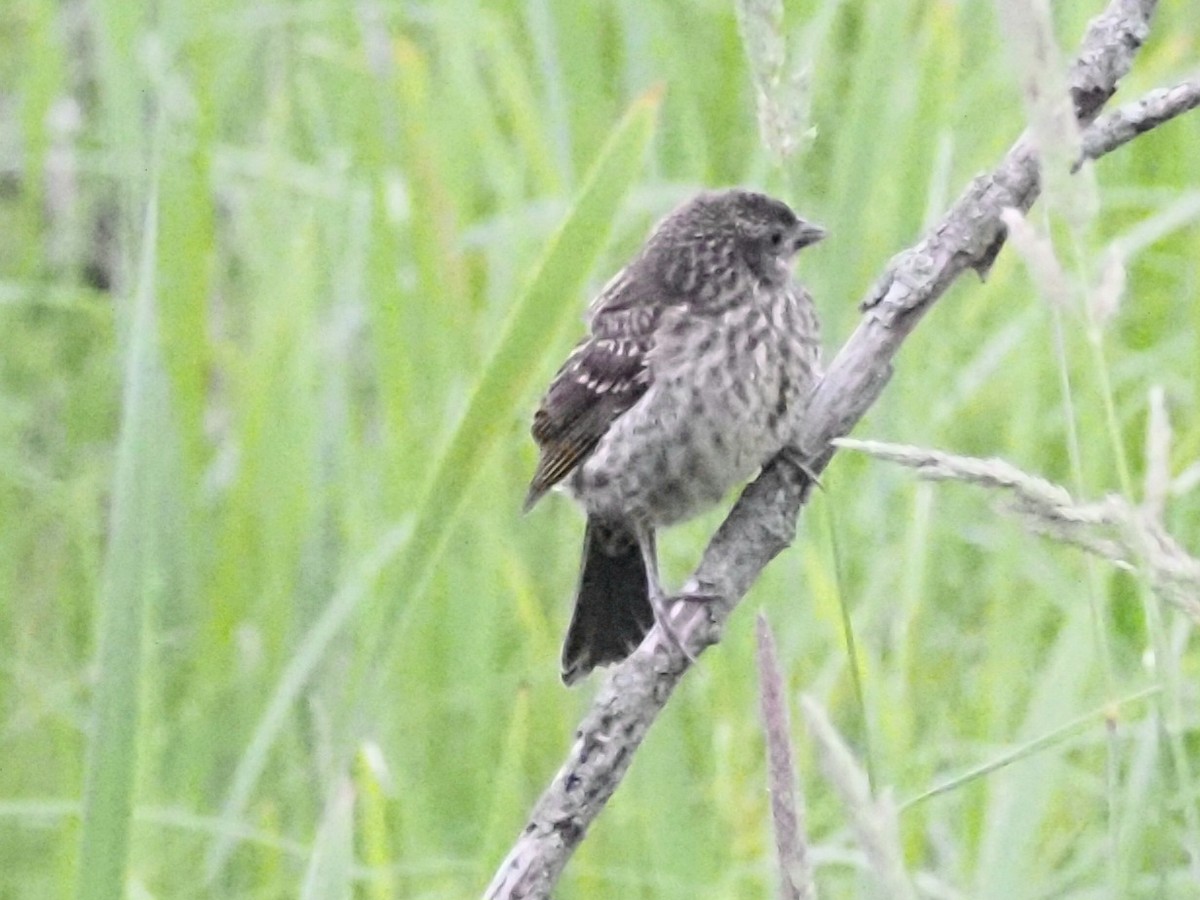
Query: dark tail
x: 612, y: 603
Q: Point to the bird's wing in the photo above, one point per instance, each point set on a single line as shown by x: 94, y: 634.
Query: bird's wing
x: 605, y: 375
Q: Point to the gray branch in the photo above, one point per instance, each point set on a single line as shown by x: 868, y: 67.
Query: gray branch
x: 1124, y: 124
x: 763, y: 522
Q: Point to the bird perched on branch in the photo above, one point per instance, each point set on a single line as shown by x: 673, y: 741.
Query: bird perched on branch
x: 699, y: 361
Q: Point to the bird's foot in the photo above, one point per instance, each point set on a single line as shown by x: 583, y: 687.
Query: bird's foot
x: 800, y: 459
x: 680, y: 629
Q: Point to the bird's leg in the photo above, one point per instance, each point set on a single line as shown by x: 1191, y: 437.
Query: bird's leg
x: 658, y: 597
x: 659, y: 600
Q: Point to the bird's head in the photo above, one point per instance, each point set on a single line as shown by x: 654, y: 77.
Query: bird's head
x: 716, y: 237
x: 768, y: 233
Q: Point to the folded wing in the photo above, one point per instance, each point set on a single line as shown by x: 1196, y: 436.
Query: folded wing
x: 605, y: 375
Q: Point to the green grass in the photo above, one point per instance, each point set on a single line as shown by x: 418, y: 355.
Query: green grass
x: 271, y: 623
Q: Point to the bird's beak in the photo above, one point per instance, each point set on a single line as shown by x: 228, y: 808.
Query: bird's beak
x: 807, y: 233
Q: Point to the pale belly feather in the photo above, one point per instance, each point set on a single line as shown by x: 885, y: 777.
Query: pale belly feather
x: 727, y: 395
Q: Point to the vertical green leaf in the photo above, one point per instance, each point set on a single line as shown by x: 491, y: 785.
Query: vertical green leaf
x: 374, y: 835
x: 330, y: 874
x: 547, y: 304
x: 550, y: 301
x: 134, y: 575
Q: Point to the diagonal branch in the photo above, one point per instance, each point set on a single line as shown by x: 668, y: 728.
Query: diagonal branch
x: 763, y: 522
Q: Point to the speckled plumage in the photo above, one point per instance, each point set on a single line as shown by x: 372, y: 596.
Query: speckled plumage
x: 700, y: 357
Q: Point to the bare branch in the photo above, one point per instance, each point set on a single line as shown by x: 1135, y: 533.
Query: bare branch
x: 1127, y: 122
x: 763, y: 522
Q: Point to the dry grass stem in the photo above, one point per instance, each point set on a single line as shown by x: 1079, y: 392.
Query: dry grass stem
x: 1113, y: 528
x: 796, y: 880
x: 874, y: 818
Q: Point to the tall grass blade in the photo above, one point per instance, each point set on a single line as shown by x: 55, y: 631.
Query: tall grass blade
x: 133, y: 578
x: 548, y: 303
x: 545, y: 306
x: 330, y: 874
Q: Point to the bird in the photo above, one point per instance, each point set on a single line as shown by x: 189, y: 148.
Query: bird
x: 698, y: 362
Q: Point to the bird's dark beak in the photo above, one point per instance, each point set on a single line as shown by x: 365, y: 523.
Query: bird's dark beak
x: 807, y: 233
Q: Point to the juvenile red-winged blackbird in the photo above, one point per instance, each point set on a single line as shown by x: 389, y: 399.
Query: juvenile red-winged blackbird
x: 701, y: 356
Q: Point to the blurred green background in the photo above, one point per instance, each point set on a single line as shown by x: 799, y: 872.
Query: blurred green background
x: 266, y: 596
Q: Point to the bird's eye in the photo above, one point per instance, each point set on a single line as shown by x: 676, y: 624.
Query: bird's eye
x: 776, y: 238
